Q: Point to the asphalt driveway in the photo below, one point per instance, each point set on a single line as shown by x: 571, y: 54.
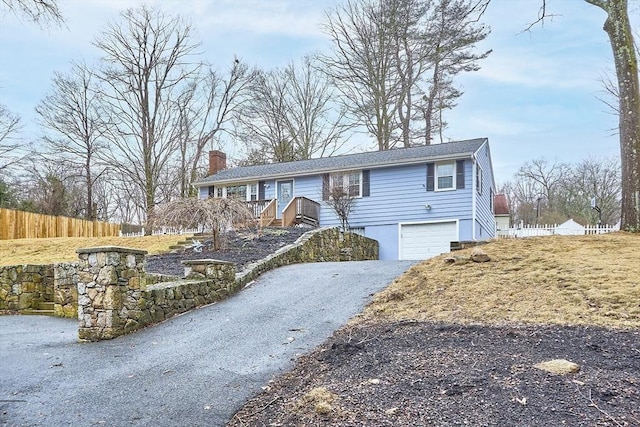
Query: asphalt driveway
x: 192, y: 370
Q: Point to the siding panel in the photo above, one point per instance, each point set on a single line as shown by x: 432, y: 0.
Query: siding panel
x: 485, y: 220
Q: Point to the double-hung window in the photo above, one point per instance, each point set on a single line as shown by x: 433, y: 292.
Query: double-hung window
x: 349, y: 182
x: 445, y: 176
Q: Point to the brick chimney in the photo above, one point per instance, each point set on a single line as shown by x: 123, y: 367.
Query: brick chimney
x: 217, y: 161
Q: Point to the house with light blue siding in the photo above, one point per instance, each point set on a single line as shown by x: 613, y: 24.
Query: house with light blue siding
x: 414, y: 201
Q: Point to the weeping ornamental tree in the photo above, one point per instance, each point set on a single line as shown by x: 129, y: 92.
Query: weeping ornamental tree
x: 212, y: 214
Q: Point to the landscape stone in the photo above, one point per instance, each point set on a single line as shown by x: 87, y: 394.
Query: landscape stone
x: 558, y: 366
x: 478, y: 255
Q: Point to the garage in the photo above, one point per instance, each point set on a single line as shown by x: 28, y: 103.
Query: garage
x: 422, y: 241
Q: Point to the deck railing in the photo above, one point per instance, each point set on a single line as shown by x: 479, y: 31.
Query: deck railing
x: 301, y: 210
x: 265, y: 210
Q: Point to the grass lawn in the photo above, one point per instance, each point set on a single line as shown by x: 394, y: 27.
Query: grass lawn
x: 45, y: 251
x: 567, y: 280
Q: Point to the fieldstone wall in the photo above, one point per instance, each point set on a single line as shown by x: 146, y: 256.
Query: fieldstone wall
x: 65, y: 289
x: 111, y: 294
x: 319, y: 245
x: 117, y: 297
x: 23, y: 288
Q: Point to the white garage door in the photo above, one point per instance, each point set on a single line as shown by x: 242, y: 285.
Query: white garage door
x: 422, y: 241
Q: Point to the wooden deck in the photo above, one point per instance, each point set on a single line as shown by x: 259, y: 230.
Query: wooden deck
x: 300, y: 210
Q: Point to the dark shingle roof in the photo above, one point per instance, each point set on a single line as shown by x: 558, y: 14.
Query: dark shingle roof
x: 346, y: 162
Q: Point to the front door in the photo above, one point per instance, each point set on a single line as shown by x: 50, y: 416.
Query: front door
x: 285, y: 194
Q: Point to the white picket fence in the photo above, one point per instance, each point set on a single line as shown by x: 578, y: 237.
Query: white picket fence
x: 163, y: 231
x: 566, y: 229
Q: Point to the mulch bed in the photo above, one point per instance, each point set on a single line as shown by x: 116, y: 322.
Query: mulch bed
x: 434, y: 374
x: 240, y: 248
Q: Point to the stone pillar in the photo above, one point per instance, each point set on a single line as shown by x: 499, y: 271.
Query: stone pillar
x: 105, y: 276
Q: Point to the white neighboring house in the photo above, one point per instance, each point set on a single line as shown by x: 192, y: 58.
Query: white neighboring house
x: 501, y: 214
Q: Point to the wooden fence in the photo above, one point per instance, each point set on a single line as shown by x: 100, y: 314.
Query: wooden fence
x: 28, y: 225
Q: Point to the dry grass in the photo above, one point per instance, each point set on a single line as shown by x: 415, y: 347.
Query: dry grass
x: 44, y: 251
x: 318, y: 401
x: 546, y: 280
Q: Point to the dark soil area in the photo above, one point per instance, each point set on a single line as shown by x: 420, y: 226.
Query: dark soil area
x: 241, y: 248
x: 433, y: 374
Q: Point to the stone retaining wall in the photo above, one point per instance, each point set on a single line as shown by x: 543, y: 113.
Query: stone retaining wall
x: 113, y: 295
x: 24, y: 287
x: 116, y: 297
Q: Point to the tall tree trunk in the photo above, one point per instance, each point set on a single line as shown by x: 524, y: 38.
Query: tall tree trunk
x: 618, y: 29
x: 90, y: 214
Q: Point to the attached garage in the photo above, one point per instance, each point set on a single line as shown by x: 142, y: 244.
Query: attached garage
x: 422, y: 241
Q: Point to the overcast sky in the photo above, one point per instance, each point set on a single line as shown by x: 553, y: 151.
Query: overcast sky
x: 536, y: 95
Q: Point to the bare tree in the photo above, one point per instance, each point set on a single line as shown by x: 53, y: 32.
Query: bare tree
x: 384, y: 53
x: 262, y: 122
x: 592, y: 178
x: 453, y: 32
x: 363, y: 66
x: 546, y: 178
x: 212, y: 214
x: 51, y: 188
x: 205, y: 109
x: 340, y: 200
x: 38, y: 11
x: 76, y: 129
x: 290, y: 117
x: 544, y: 192
x: 625, y: 58
x: 149, y: 63
x: 9, y: 147
x: 317, y: 131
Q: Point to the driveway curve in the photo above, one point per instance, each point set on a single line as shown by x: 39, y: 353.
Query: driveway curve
x: 196, y: 369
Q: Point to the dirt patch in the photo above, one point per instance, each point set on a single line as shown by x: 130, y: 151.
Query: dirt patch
x: 240, y: 248
x: 451, y: 344
x: 437, y: 374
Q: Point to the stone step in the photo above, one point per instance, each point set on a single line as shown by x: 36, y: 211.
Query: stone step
x: 46, y: 305
x: 38, y: 312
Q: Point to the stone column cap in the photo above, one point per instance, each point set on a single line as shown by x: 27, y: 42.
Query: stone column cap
x: 111, y: 249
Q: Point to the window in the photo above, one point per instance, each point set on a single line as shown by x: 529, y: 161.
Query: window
x: 445, y: 176
x: 478, y: 179
x: 349, y: 182
x: 248, y: 192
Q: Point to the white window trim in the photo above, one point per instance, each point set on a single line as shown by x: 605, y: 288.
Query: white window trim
x: 345, y: 181
x: 479, y: 179
x: 436, y: 187
x: 247, y: 191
